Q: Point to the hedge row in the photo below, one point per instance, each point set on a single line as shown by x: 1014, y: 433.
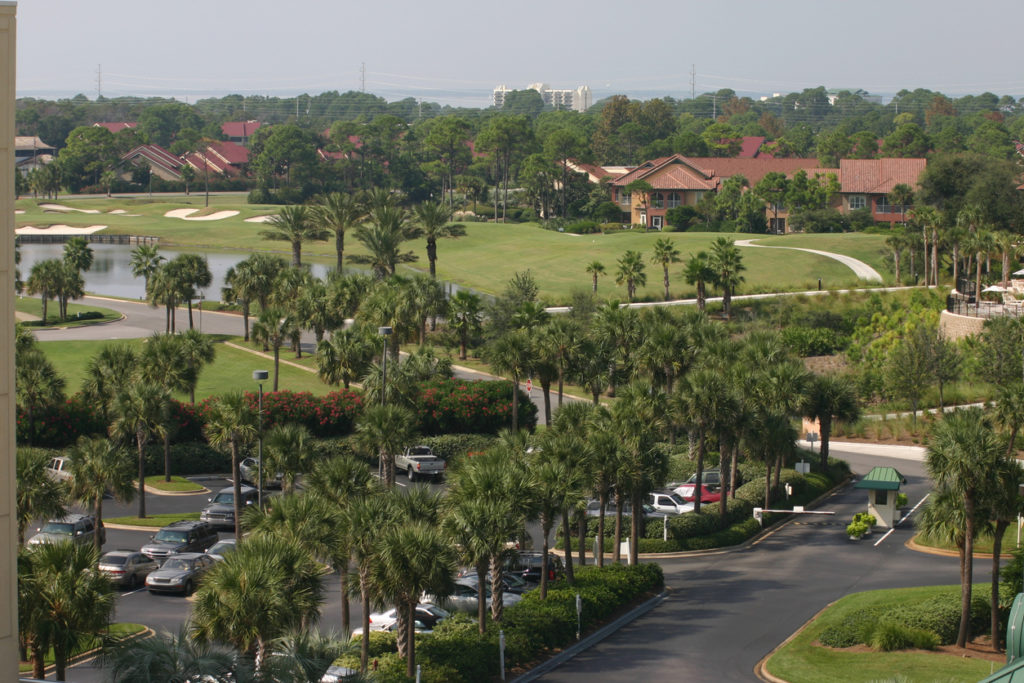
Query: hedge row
x: 443, y: 407
x: 457, y: 653
x: 939, y: 615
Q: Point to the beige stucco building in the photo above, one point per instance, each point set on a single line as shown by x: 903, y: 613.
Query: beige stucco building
x: 8, y: 522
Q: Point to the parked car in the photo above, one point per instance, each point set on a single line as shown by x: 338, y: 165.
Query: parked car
x: 220, y: 513
x: 249, y: 469
x: 340, y: 674
x: 512, y: 583
x: 464, y: 598
x: 221, y: 548
x: 179, y: 573
x: 127, y: 568
x: 59, y: 468
x: 668, y: 502
x: 180, y: 537
x: 418, y: 462
x: 426, y: 614
x: 713, y: 478
x: 594, y: 507
x: 527, y: 564
x: 79, y: 529
x: 686, y: 492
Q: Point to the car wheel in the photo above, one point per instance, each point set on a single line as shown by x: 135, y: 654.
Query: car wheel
x: 412, y: 475
x: 188, y: 588
x: 133, y: 582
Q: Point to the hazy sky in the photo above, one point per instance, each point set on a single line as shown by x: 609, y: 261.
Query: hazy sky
x: 457, y: 51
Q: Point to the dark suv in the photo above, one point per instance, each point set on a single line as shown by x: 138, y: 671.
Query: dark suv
x: 220, y: 512
x: 180, y: 537
x: 526, y: 564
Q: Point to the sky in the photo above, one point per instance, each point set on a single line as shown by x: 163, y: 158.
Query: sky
x: 457, y: 51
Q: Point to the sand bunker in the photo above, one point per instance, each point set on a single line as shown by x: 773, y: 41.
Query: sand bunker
x: 61, y: 207
x: 17, y: 211
x: 258, y: 219
x: 186, y: 215
x: 58, y: 230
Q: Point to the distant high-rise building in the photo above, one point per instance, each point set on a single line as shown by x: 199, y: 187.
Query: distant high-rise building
x: 579, y: 99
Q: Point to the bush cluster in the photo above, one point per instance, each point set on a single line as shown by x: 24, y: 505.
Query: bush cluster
x: 456, y: 652
x: 193, y: 457
x: 60, y: 424
x: 814, y: 341
x: 448, y: 406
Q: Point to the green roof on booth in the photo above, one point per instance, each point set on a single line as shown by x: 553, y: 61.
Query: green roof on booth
x: 881, y: 479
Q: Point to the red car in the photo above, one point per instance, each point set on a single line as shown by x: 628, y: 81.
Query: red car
x: 686, y: 491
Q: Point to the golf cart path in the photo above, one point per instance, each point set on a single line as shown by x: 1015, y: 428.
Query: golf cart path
x: 861, y: 269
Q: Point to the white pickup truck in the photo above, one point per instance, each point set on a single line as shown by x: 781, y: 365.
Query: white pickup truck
x: 420, y: 461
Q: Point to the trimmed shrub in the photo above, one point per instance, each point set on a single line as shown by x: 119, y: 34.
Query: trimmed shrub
x: 855, y: 629
x: 454, y: 406
x: 453, y: 446
x: 59, y: 425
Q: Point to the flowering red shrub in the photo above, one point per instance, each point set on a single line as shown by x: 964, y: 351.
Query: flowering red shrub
x: 452, y: 406
x: 59, y: 425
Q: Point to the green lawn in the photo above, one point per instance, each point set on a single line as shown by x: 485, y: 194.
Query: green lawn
x: 870, y: 249
x: 983, y: 544
x: 232, y: 368
x: 176, y: 484
x: 490, y: 253
x: 155, y: 521
x: 34, y: 306
x: 801, y: 661
x: 117, y: 630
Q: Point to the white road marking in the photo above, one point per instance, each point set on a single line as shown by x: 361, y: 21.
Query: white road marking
x: 902, y: 519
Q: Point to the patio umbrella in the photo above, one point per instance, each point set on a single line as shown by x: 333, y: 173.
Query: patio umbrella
x: 995, y: 288
x: 1019, y: 272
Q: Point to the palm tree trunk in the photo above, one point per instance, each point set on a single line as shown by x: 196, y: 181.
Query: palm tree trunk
x: 634, y: 529
x: 60, y: 662
x: 732, y: 470
x: 617, y: 548
x: 544, y: 559
x: 142, y: 476
x: 966, y: 574
x: 581, y: 537
x: 191, y: 326
x: 698, y: 488
x: 570, y: 577
x: 935, y: 257
x: 236, y: 478
x: 277, y: 363
x: 339, y: 247
x: 410, y: 638
x: 402, y: 630
x: 515, y: 401
x: 561, y: 384
x: 603, y: 499
x: 666, y: 281
x: 497, y: 579
x: 364, y: 590
x: 997, y: 547
x: 167, y: 454
x: 825, y: 425
x: 767, y: 483
x: 346, y: 607
x: 545, y: 388
x: 481, y: 594
x: 38, y: 666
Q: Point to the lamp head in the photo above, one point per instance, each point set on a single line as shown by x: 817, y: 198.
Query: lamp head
x: 260, y: 375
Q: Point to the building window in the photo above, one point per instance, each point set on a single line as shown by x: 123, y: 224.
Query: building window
x: 656, y: 222
x: 674, y: 199
x: 778, y: 225
x: 657, y: 200
x: 881, y: 497
x: 857, y: 201
x: 625, y: 198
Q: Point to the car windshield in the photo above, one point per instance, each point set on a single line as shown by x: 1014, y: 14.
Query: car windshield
x: 171, y: 536
x: 113, y: 559
x: 177, y: 563
x: 420, y: 450
x: 221, y: 548
x: 224, y: 498
x: 58, y: 528
x: 677, y: 499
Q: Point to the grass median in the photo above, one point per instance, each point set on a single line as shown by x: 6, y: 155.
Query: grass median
x: 155, y: 521
x: 175, y: 485
x: 119, y: 630
x: 34, y: 307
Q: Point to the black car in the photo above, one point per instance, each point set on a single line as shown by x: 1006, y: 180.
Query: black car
x: 526, y: 564
x: 180, y: 537
x: 220, y: 512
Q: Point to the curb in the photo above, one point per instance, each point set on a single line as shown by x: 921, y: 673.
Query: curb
x: 759, y: 669
x: 941, y: 552
x: 159, y: 492
x: 131, y: 527
x: 89, y: 655
x: 591, y: 640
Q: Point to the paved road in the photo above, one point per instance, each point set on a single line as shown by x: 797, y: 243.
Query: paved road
x: 728, y: 611
x: 861, y: 269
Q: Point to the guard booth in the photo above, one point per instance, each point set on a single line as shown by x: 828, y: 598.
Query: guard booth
x: 882, y: 485
x: 1013, y: 672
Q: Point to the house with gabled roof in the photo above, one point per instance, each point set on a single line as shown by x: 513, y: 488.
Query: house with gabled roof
x: 163, y: 164
x: 115, y: 126
x: 30, y: 153
x: 866, y: 183
x: 239, y: 132
x: 224, y: 158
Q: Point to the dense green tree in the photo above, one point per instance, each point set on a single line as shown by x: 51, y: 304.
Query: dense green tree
x: 99, y: 467
x: 146, y: 259
x: 384, y: 430
x: 295, y: 225
x: 345, y: 357
x: 45, y: 280
x: 433, y: 219
x: 505, y: 137
x: 512, y: 353
x: 665, y: 253
x: 830, y: 397
x: 273, y: 328
x: 727, y: 263
x: 339, y: 213
x: 630, y: 272
x: 464, y: 318
x: 37, y: 385
x: 289, y: 450
x: 383, y: 238
x: 37, y: 494
x: 230, y: 422
x: 139, y: 414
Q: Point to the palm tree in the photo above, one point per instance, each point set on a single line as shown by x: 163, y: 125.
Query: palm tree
x: 194, y: 271
x: 426, y: 299
x: 107, y: 374
x: 69, y: 600
x: 699, y: 272
x: 37, y: 386
x: 44, y: 279
x: 383, y: 239
x: 252, y: 281
x: 197, y: 350
x: 295, y: 225
x: 390, y: 304
x: 289, y: 450
x: 665, y: 253
x: 961, y: 456
x: 77, y: 254
x: 551, y: 480
x: 37, y: 495
x: 146, y: 259
x: 99, y: 468
x: 384, y: 430
x: 344, y: 357
x: 342, y: 480
x: 163, y: 363
x: 512, y: 353
x: 314, y: 309
x: 1009, y: 413
x: 164, y: 288
x: 566, y: 444
x: 307, y: 518
x: 230, y: 422
x: 464, y: 318
x: 1009, y: 245
x: 364, y: 519
x: 139, y: 414
x: 631, y: 272
x: 830, y: 397
x: 1004, y: 504
x: 595, y: 268
x: 166, y: 657
x: 700, y: 394
x: 469, y: 523
x: 896, y: 242
x: 727, y: 262
x: 433, y: 218
x: 412, y: 558
x: 339, y: 212
x: 272, y: 329
x: 269, y: 586
x: 563, y: 337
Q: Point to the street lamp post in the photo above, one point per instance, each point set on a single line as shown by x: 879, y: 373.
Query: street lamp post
x: 385, y: 332
x: 260, y: 376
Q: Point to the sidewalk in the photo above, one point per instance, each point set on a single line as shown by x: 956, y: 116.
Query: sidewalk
x: 880, y: 449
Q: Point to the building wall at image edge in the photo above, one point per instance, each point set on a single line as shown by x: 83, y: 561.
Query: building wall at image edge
x: 8, y: 522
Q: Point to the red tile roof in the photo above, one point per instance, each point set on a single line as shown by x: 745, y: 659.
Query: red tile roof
x: 754, y: 169
x: 751, y: 146
x: 879, y: 176
x: 240, y: 129
x: 156, y: 155
x: 115, y: 126
x: 230, y: 152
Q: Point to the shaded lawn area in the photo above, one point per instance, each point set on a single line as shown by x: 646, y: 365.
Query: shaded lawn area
x: 491, y: 253
x: 155, y: 521
x: 119, y: 630
x: 231, y: 369
x: 982, y: 544
x: 34, y: 306
x: 801, y: 661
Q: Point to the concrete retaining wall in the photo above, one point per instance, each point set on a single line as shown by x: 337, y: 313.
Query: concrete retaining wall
x: 953, y: 326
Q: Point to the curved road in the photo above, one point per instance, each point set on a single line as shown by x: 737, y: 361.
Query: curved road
x: 861, y: 269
